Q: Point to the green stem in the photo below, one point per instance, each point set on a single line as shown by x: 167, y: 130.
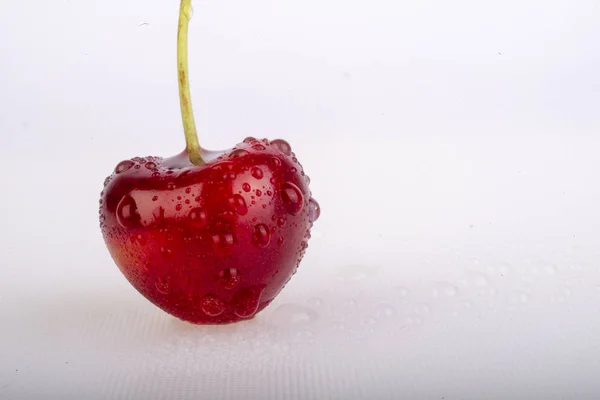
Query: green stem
x: 187, y: 115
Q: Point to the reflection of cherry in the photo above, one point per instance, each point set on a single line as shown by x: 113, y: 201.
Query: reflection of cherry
x: 210, y: 237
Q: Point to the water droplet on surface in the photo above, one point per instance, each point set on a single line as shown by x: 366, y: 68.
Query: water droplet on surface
x: 445, y: 290
x: 249, y: 139
x: 106, y: 181
x: 351, y: 272
x: 384, y: 310
x: 258, y: 193
x: 314, y: 210
x: 238, y: 204
x: 280, y: 221
x: 258, y: 147
x: 247, y: 300
x: 198, y: 217
x: 292, y: 315
x: 475, y: 279
x: 292, y: 198
x: 350, y: 302
x: 422, y: 309
x: 212, y: 305
x: 154, y: 198
x: 171, y: 186
x: 261, y: 236
x: 524, y: 298
x: 127, y: 214
x: 315, y: 301
x: 246, y: 187
x: 550, y: 269
x: 150, y: 165
x: 229, y: 278
x: 566, y: 291
x: 338, y: 325
x: 238, y: 153
x: 163, y: 285
x: 282, y: 146
x: 178, y: 207
x: 257, y: 173
x: 124, y: 166
x: 519, y: 297
x: 402, y: 291
x: 280, y: 241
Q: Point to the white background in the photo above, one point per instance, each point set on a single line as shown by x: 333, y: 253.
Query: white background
x: 453, y: 146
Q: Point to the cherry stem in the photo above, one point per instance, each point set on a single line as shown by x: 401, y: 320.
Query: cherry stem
x: 185, y: 99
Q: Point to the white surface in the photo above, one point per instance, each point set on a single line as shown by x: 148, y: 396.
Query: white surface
x: 453, y: 147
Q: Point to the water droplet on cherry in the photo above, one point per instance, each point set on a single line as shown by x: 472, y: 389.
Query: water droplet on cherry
x: 247, y: 300
x: 275, y: 162
x: 246, y: 187
x: 282, y: 146
x: 249, y: 139
x: 171, y: 186
x: 165, y: 252
x: 258, y: 147
x: 178, y: 207
x: 280, y: 221
x: 238, y: 204
x: 223, y: 239
x: 150, y: 165
x: 127, y: 214
x: 261, y: 236
x: 229, y: 278
x: 163, y: 285
x: 198, y: 217
x: 212, y: 305
x: 238, y: 153
x: 257, y: 173
x: 124, y: 166
x: 292, y: 198
x: 314, y: 210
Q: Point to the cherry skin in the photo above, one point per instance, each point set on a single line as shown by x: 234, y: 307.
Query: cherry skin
x: 211, y: 243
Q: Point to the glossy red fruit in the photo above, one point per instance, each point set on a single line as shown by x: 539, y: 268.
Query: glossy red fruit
x: 213, y: 243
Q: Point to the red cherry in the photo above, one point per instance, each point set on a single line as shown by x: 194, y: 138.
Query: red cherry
x: 213, y: 255
x: 209, y: 237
